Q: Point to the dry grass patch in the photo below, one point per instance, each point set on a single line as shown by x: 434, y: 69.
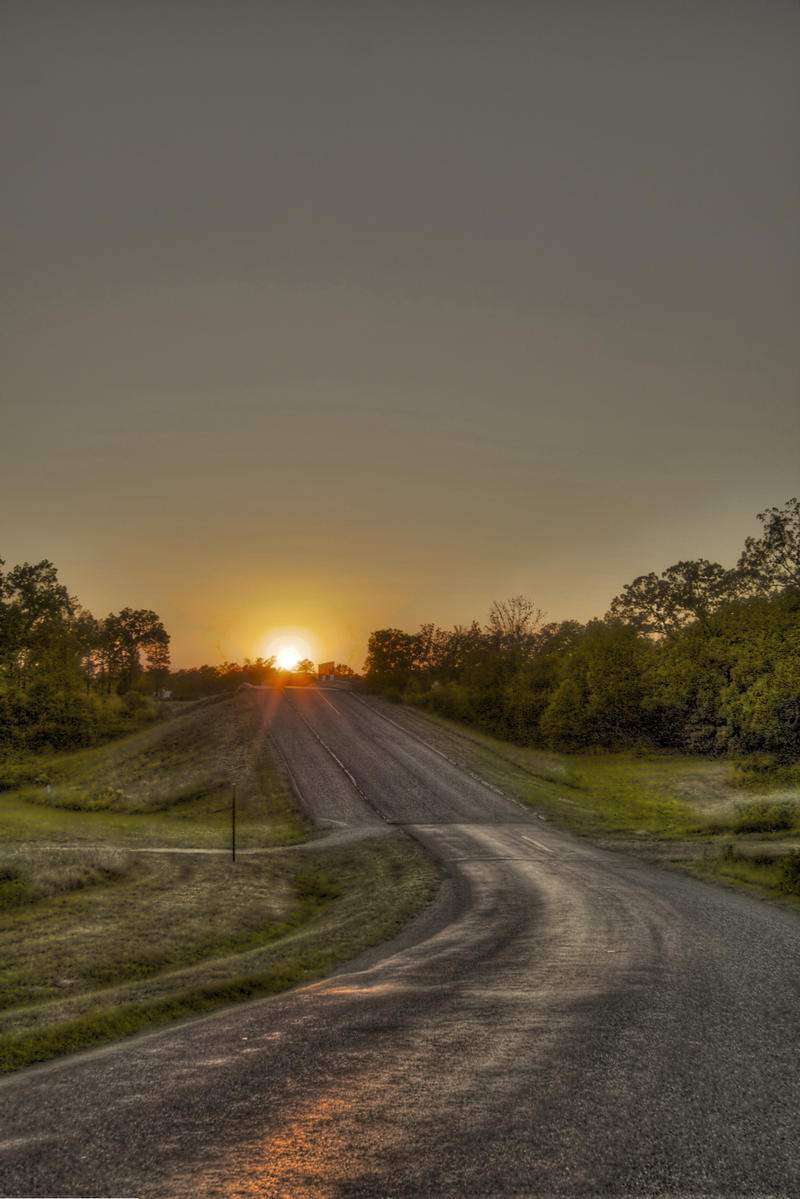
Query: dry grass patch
x: 184, y: 934
x: 28, y: 875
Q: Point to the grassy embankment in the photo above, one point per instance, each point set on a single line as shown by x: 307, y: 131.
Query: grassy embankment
x: 694, y: 813
x: 115, y: 914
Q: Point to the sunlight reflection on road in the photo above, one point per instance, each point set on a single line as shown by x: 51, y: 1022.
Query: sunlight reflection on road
x: 314, y: 1154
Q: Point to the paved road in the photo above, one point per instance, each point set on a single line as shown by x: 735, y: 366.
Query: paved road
x: 567, y: 1021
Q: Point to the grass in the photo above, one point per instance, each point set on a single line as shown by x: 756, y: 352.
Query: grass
x: 694, y: 807
x: 767, y: 875
x: 169, y: 785
x: 28, y: 877
x: 594, y: 794
x: 115, y: 915
x: 174, y: 939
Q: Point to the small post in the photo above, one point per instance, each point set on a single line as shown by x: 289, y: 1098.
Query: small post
x: 233, y: 825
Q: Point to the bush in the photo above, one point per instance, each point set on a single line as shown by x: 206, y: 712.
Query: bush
x: 789, y: 881
x: 762, y: 771
x: 134, y: 703
x: 754, y: 769
x: 14, y: 889
x: 765, y: 818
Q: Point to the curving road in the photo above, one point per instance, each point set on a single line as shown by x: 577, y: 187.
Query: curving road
x: 565, y: 1020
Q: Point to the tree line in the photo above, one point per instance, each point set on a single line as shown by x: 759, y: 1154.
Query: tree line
x: 197, y: 682
x: 697, y: 657
x: 60, y: 666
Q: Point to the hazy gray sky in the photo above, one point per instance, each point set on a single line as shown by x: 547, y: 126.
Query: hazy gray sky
x: 346, y: 315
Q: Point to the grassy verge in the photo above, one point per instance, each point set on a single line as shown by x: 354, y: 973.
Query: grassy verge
x: 173, y: 939
x: 112, y: 923
x: 695, y: 809
x: 169, y: 785
x: 594, y: 794
x: 769, y: 875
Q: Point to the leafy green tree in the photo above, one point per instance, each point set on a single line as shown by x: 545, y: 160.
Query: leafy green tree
x: 195, y: 682
x: 37, y: 614
x: 698, y: 657
x: 425, y: 653
x: 732, y: 685
x: 599, y: 689
x: 761, y: 699
x: 53, y: 653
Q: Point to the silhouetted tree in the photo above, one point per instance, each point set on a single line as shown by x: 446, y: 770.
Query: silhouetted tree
x: 771, y: 562
x: 662, y: 604
x: 390, y: 659
x: 125, y: 636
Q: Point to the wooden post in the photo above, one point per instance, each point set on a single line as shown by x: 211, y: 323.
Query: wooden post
x: 233, y: 825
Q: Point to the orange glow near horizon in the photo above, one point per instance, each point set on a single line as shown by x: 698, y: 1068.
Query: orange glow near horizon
x: 288, y: 645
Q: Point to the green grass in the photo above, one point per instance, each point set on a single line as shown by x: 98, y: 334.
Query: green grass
x: 769, y: 875
x: 631, y: 795
x: 168, y: 785
x: 694, y: 804
x: 595, y: 794
x: 112, y: 923
x: 635, y: 796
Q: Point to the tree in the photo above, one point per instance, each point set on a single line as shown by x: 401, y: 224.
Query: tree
x: 513, y: 622
x: 600, y: 684
x: 304, y: 666
x: 390, y: 659
x: 771, y: 562
x: 36, y: 618
x: 125, y: 635
x: 460, y: 651
x: 52, y: 651
x: 687, y: 591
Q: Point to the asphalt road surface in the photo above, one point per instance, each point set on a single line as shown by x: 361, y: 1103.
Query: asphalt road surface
x: 564, y: 1021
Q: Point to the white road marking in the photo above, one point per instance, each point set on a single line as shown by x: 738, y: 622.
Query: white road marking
x: 538, y: 844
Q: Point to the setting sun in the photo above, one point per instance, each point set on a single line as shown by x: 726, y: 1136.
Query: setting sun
x: 287, y: 645
x: 287, y: 658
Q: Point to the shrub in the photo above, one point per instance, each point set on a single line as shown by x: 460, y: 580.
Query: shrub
x: 754, y: 769
x: 14, y: 890
x: 789, y: 881
x: 762, y: 771
x: 765, y: 818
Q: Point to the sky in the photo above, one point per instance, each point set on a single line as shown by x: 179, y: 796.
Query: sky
x: 318, y: 318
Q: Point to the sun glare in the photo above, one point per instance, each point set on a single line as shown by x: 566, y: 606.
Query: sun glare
x: 287, y: 645
x: 287, y: 657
